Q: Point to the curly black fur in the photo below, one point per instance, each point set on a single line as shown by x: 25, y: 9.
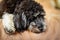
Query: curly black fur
x: 10, y: 5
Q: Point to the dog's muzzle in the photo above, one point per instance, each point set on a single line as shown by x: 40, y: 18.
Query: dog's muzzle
x: 38, y: 25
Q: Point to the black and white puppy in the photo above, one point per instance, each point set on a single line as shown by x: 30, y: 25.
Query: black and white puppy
x: 27, y: 14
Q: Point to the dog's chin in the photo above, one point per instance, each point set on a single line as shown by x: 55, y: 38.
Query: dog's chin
x: 8, y: 23
x: 35, y: 29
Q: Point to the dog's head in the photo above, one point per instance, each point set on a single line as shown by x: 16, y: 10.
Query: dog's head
x: 38, y: 23
x: 32, y: 15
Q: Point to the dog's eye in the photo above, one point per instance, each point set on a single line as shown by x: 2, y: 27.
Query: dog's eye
x: 39, y: 14
x: 36, y: 14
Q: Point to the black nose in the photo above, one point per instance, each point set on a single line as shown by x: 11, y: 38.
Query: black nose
x: 41, y: 27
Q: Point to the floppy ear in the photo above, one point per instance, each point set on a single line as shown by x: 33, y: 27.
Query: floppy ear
x: 24, y: 19
x: 17, y: 22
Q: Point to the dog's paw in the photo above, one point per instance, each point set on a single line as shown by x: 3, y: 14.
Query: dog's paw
x: 33, y: 28
x: 8, y: 23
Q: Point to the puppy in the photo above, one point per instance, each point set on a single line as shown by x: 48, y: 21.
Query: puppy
x: 30, y: 15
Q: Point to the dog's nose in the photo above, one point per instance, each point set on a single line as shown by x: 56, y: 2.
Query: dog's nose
x: 41, y: 27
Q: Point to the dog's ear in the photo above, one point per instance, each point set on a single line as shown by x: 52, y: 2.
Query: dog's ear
x: 24, y: 20
x: 17, y: 22
x: 20, y: 21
